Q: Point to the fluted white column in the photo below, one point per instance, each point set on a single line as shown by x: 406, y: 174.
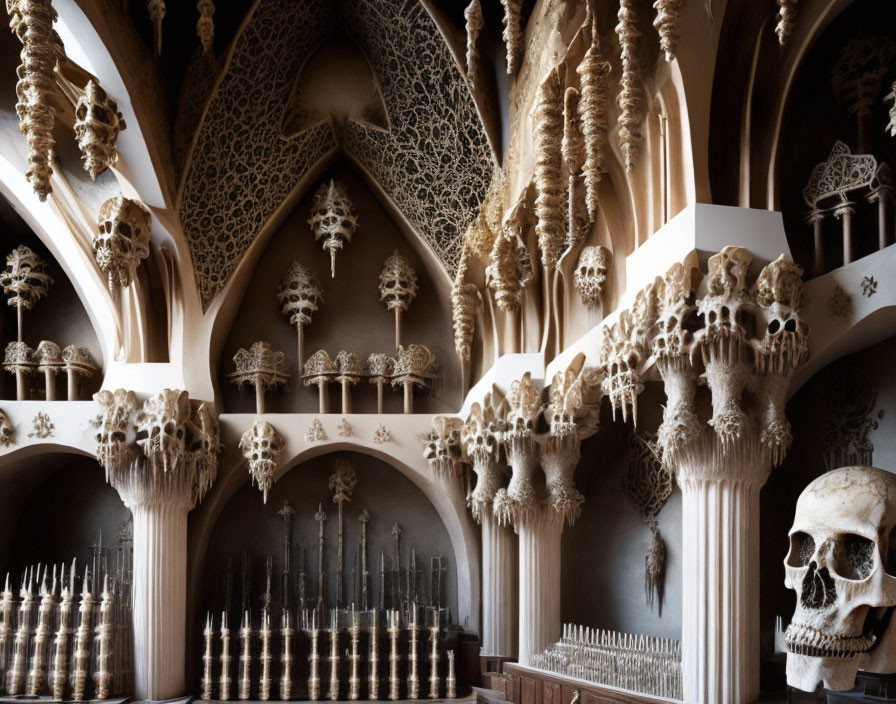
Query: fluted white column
x: 499, y: 569
x: 539, y: 548
x: 159, y: 607
x: 720, y: 565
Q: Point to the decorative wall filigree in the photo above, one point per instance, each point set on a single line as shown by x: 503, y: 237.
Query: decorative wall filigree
x: 242, y: 166
x: 849, y: 420
x: 435, y: 162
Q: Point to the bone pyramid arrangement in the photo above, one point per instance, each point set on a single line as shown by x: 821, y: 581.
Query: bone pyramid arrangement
x: 528, y: 352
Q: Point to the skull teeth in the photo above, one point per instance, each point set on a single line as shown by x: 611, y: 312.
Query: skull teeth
x: 807, y: 640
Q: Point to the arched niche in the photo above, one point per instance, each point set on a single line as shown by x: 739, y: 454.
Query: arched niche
x: 603, y: 583
x: 812, y: 101
x: 246, y: 524
x: 842, y: 416
x: 351, y: 317
x: 54, y: 505
x: 59, y: 316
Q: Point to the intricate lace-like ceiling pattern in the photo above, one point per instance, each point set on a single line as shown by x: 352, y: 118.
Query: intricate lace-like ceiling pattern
x: 435, y: 163
x: 242, y: 166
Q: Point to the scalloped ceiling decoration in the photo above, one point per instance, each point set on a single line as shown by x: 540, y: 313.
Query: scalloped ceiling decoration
x: 435, y: 163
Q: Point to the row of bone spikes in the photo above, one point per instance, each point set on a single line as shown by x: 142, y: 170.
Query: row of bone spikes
x: 584, y: 635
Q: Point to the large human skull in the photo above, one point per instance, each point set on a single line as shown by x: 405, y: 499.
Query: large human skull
x: 842, y: 564
x: 300, y: 294
x: 398, y: 282
x: 591, y: 273
x: 261, y: 446
x: 162, y: 427
x: 122, y: 239
x: 97, y: 124
x: 722, y: 308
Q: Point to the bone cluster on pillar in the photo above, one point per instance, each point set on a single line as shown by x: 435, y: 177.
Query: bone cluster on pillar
x: 122, y: 239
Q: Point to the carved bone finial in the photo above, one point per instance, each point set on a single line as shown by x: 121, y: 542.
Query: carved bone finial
x: 25, y: 277
x: 333, y: 219
x: 261, y: 446
x: 398, y: 282
x: 629, y: 98
x: 300, y: 294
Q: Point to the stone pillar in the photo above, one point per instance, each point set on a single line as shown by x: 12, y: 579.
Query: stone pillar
x: 160, y: 478
x: 720, y: 570
x: 539, y: 615
x: 499, y: 580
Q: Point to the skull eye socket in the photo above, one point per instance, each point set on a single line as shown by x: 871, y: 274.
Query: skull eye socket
x: 802, y: 548
x: 854, y: 557
x: 790, y: 325
x: 774, y: 326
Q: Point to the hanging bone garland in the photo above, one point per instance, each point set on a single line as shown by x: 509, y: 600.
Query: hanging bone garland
x: 573, y: 151
x: 32, y: 22
x: 261, y: 446
x: 300, y: 295
x: 786, y: 17
x: 591, y: 274
x: 226, y: 658
x: 26, y: 279
x: 205, y: 25
x: 415, y: 367
x: 465, y: 299
x: 629, y: 99
x: 156, y: 10
x: 512, y: 34
x: 97, y: 124
x: 333, y: 219
x: 666, y: 25
x: 593, y: 72
x: 260, y: 366
x: 122, y: 239
x: 398, y: 287
x: 474, y: 24
x: 510, y: 266
x: 549, y: 226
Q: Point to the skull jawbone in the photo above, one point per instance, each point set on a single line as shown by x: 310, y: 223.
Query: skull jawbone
x: 806, y: 672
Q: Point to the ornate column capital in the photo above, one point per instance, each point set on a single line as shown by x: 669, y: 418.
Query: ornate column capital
x: 164, y: 453
x: 522, y: 496
x: 481, y: 436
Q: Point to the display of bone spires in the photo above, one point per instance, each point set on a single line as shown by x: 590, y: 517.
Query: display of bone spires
x: 77, y: 363
x: 245, y: 678
x: 637, y: 663
x: 59, y: 671
x: 264, y: 634
x: 26, y: 279
x: 81, y: 654
x: 549, y: 183
x: 286, y: 634
x: 225, y: 658
x: 837, y: 577
x: 512, y: 34
x: 415, y: 367
x: 260, y: 366
x: 354, y: 678
x: 49, y: 361
x: 373, y: 679
x: 261, y: 446
x: 786, y: 16
x: 333, y: 219
x: 32, y: 22
x: 666, y: 25
x: 7, y: 607
x: 591, y: 274
x: 398, y: 287
x: 314, y: 659
x: 434, y: 657
x: 97, y: 124
x: 102, y: 675
x: 301, y: 294
x: 19, y: 360
x: 451, y: 679
x: 34, y: 682
x: 208, y: 635
x: 392, y: 628
x: 629, y: 99
x: 351, y: 372
x: 205, y: 25
x: 122, y: 239
x: 380, y: 368
x: 593, y: 72
x: 474, y: 25
x: 442, y: 448
x: 15, y: 675
x: 413, y: 678
x: 333, y: 690
x: 319, y: 371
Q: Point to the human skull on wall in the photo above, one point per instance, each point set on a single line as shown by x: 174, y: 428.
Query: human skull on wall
x: 122, y: 239
x: 591, y: 273
x: 842, y: 564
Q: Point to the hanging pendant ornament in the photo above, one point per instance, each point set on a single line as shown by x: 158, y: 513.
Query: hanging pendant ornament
x: 785, y: 17
x: 122, y: 239
x: 333, y: 219
x: 573, y: 150
x: 300, y: 295
x: 156, y: 9
x: 205, y: 25
x: 593, y: 72
x: 32, y: 22
x: 398, y: 287
x: 549, y: 210
x: 512, y: 34
x: 475, y: 22
x: 629, y: 99
x: 97, y: 124
x: 261, y: 446
x: 666, y: 25
x: 26, y: 278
